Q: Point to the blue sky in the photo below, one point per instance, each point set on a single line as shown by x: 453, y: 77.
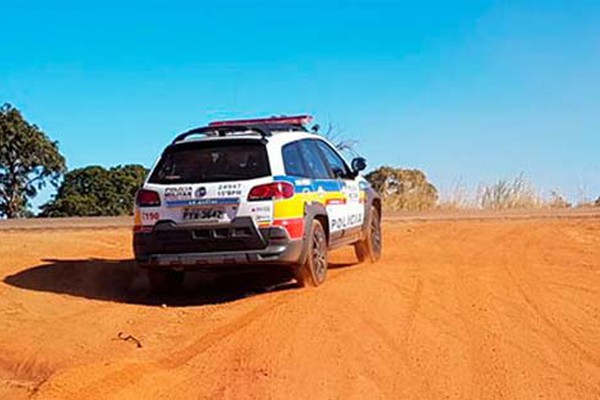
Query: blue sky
x: 468, y: 91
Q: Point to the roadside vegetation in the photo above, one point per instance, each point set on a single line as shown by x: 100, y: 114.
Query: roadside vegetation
x: 505, y: 194
x: 96, y: 191
x: 509, y: 194
x: 403, y: 189
x: 30, y: 161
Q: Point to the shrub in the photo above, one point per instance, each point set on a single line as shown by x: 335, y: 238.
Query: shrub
x: 504, y: 194
x: 403, y: 189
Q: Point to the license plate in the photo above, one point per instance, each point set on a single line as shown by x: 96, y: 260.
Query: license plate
x: 204, y: 214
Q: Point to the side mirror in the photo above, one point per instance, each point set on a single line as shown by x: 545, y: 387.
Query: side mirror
x: 358, y: 164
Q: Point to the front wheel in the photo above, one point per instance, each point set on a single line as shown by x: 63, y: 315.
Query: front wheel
x: 313, y: 271
x: 370, y: 247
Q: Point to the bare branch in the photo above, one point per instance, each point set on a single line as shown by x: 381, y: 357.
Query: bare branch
x: 339, y: 139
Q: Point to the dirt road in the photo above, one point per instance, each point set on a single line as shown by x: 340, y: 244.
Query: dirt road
x: 455, y: 310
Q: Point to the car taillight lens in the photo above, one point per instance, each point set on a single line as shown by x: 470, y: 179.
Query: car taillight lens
x: 147, y: 198
x: 271, y: 191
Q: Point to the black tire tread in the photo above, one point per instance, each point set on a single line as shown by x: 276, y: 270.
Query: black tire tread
x: 304, y: 272
x: 364, y: 249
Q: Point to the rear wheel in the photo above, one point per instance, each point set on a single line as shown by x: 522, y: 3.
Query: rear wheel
x: 370, y: 247
x: 313, y: 271
x: 165, y: 281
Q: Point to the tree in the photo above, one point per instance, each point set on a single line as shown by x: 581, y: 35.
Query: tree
x: 28, y: 161
x: 96, y: 191
x: 403, y: 189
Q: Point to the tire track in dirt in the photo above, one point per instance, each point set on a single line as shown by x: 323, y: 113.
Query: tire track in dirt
x: 528, y: 291
x: 414, y: 308
x: 529, y: 286
x: 558, y: 332
x: 130, y: 374
x: 488, y: 370
x: 117, y: 378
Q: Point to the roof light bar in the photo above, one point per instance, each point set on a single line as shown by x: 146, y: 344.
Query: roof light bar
x: 292, y: 120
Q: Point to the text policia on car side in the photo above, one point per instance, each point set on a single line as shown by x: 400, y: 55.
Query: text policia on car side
x: 253, y: 192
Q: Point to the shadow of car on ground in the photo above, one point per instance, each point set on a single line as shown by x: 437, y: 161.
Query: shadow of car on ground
x: 123, y: 281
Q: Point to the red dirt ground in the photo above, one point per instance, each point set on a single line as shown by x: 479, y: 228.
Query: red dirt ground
x: 454, y: 310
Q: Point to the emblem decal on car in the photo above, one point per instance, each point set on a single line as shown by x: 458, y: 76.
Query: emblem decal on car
x: 180, y: 192
x: 200, y: 192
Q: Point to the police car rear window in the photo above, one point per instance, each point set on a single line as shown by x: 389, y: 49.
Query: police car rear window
x: 205, y: 162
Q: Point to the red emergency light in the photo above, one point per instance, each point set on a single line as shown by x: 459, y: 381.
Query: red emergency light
x: 292, y: 120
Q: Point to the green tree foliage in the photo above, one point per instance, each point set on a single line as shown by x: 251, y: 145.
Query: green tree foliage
x: 403, y: 189
x: 96, y: 191
x: 28, y: 161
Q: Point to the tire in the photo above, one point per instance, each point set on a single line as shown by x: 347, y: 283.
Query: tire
x: 313, y: 271
x: 370, y: 247
x: 165, y: 281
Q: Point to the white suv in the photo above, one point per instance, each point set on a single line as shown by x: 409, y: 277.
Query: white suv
x: 253, y: 192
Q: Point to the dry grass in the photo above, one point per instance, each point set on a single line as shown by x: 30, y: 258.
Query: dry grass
x: 456, y: 197
x: 401, y: 191
x: 504, y: 194
x: 508, y: 194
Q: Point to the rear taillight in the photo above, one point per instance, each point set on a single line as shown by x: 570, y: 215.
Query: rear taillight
x: 271, y: 191
x: 147, y: 198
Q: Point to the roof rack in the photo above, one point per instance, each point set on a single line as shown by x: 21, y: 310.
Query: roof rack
x: 261, y: 126
x: 222, y: 131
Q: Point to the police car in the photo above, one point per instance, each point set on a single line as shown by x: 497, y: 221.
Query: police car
x: 243, y: 193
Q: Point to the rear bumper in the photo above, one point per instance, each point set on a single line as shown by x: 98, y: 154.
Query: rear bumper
x: 272, y: 255
x: 202, y: 247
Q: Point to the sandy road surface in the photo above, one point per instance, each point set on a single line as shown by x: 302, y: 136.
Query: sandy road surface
x: 400, y: 216
x: 456, y: 309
